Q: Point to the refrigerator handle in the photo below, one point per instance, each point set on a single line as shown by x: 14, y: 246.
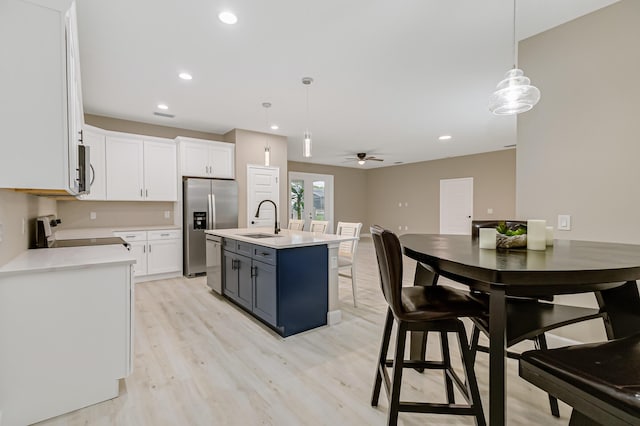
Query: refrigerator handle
x: 209, y: 212
x: 213, y: 210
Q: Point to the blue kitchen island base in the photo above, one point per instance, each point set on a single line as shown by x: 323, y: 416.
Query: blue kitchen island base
x: 287, y: 289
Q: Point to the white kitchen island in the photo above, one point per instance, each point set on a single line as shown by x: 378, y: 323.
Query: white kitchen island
x: 288, y: 239
x: 66, y: 330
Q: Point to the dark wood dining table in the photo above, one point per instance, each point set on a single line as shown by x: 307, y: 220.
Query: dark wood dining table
x: 610, y: 270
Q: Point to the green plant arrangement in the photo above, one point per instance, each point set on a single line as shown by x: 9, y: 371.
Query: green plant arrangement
x: 297, y: 199
x: 511, y: 237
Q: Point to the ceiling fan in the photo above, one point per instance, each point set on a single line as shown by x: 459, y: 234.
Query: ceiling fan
x: 362, y: 158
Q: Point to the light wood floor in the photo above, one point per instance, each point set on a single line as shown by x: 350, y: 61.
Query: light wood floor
x: 199, y: 360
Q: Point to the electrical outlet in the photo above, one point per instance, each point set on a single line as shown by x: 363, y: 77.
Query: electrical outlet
x: 489, y: 211
x: 92, y: 215
x: 167, y: 214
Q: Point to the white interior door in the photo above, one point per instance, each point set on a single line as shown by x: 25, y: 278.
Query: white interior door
x: 311, y: 198
x: 456, y: 206
x: 262, y: 184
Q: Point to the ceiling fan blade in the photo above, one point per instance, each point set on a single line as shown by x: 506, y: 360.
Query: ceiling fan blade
x: 374, y: 159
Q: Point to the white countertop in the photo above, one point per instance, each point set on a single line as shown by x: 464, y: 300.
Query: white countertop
x: 73, y: 234
x: 285, y: 239
x: 52, y: 259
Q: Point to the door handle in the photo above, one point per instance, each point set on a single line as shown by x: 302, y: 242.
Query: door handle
x: 213, y: 210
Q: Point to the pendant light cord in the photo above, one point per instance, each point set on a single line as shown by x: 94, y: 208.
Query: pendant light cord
x: 515, y: 54
x: 307, y: 107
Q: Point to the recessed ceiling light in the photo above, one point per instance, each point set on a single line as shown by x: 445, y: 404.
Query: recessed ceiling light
x: 185, y: 76
x: 228, y: 18
x: 274, y: 127
x: 444, y: 137
x: 162, y: 106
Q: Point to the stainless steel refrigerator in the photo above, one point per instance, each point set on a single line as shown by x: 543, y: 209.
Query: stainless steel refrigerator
x: 207, y: 204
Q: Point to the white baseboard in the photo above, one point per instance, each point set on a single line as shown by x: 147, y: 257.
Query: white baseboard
x: 555, y: 341
x: 334, y: 317
x: 144, y: 278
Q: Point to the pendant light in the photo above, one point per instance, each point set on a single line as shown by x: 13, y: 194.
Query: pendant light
x: 514, y: 94
x: 306, y: 148
x: 267, y: 148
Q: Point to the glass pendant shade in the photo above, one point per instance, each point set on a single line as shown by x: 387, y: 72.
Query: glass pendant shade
x: 267, y: 156
x: 514, y: 94
x: 307, y: 144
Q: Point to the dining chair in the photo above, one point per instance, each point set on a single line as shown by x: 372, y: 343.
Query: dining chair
x: 347, y: 252
x: 296, y: 224
x: 528, y: 318
x: 319, y: 226
x: 425, y: 309
x: 599, y: 380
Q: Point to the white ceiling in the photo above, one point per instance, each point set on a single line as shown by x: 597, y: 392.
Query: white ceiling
x: 390, y: 76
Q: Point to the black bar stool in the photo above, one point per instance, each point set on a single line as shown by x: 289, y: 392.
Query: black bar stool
x: 423, y: 308
x: 601, y: 381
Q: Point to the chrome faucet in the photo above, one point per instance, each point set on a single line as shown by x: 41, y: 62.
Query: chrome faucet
x: 275, y: 226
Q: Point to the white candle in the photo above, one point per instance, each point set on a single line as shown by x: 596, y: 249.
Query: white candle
x: 549, y: 235
x: 488, y: 238
x: 536, y: 235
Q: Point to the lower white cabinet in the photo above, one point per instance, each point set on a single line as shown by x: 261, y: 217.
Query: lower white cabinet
x: 156, y: 252
x: 164, y: 252
x: 67, y: 339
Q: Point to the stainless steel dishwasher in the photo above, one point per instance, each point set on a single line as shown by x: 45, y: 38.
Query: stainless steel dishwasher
x: 214, y: 263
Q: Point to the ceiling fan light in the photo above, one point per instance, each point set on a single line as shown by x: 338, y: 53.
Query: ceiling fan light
x: 514, y: 94
x: 361, y: 162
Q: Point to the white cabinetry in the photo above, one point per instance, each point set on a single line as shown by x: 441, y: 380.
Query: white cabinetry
x: 156, y: 252
x: 165, y: 249
x: 203, y: 158
x: 138, y: 242
x: 98, y: 182
x: 125, y: 173
x: 41, y: 110
x: 66, y: 338
x: 141, y: 170
x: 160, y: 171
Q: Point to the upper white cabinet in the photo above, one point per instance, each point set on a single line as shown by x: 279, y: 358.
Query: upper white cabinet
x: 160, y: 171
x: 141, y: 170
x: 125, y: 169
x: 98, y: 183
x: 41, y: 113
x: 202, y: 158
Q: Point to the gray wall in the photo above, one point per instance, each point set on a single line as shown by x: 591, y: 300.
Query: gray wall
x: 250, y: 150
x: 138, y: 128
x: 578, y: 149
x: 418, y: 185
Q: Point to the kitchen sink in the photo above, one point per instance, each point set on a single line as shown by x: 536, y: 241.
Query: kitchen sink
x: 259, y: 235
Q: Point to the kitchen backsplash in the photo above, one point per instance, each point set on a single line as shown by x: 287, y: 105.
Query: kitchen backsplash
x: 79, y: 214
x: 14, y: 208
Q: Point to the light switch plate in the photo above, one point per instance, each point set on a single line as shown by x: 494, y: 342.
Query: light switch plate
x: 564, y: 222
x: 167, y: 214
x: 92, y: 215
x: 1, y: 232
